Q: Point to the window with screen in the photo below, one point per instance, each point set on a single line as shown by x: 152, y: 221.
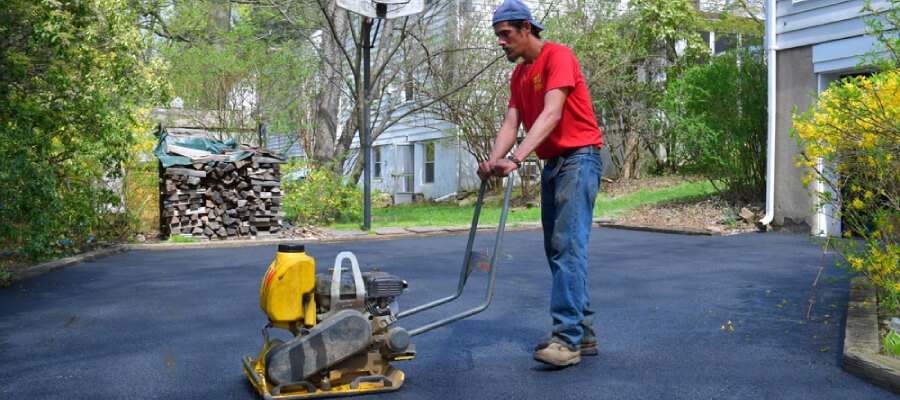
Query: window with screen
x: 429, y: 162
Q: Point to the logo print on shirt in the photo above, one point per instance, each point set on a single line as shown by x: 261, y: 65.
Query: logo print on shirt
x: 538, y: 85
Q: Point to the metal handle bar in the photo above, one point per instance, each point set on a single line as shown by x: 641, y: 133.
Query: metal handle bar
x: 463, y: 274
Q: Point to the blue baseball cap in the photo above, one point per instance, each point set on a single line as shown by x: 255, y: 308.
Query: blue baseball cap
x: 514, y: 10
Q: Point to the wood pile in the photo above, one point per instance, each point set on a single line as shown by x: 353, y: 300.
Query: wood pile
x: 222, y: 199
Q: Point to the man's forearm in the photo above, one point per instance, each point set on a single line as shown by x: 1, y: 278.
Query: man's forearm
x: 502, y: 145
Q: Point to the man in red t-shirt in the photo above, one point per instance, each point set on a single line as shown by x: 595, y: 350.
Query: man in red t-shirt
x: 549, y: 97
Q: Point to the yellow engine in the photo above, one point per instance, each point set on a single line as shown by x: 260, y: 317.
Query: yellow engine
x: 287, y: 293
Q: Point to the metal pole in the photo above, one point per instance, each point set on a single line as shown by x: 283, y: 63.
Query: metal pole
x: 367, y: 178
x: 164, y: 230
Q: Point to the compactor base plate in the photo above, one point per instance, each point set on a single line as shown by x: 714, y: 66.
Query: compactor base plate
x: 389, y: 380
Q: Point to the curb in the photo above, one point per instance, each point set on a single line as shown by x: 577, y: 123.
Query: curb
x: 675, y: 231
x: 861, y: 355
x: 39, y: 269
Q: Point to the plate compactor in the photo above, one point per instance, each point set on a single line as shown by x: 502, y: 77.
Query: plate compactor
x: 344, y: 323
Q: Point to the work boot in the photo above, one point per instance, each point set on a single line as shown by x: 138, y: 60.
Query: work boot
x: 554, y: 353
x: 587, y: 348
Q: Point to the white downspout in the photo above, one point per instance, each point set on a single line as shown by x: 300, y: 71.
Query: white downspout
x: 771, y: 46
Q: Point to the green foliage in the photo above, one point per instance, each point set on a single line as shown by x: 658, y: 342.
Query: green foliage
x: 73, y: 79
x: 321, y: 196
x: 141, y: 196
x: 182, y: 239
x: 883, y: 24
x: 719, y: 112
x: 5, y: 277
x: 854, y: 129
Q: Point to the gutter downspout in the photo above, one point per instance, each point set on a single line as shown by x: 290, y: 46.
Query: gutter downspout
x: 771, y: 46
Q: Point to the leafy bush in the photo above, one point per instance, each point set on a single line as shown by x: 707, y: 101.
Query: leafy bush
x: 141, y: 195
x: 854, y: 131
x: 73, y: 79
x: 719, y: 112
x: 321, y: 196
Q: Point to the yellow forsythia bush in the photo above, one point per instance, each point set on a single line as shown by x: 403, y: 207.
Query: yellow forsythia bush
x: 853, y: 130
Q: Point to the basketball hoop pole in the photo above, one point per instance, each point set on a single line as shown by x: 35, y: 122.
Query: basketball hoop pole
x: 366, y: 147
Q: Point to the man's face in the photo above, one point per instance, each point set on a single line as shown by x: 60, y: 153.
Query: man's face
x: 511, y: 40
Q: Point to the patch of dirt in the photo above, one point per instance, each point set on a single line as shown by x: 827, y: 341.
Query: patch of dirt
x: 713, y: 214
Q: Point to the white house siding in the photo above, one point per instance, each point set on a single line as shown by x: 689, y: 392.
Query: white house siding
x: 450, y: 162
x: 840, y: 55
x: 817, y: 41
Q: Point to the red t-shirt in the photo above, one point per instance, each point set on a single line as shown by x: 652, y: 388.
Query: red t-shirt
x: 556, y: 67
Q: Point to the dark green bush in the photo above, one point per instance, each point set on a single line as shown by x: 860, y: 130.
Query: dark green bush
x: 719, y: 112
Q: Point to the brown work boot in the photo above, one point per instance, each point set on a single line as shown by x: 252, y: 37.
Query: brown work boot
x: 587, y: 348
x: 554, y: 353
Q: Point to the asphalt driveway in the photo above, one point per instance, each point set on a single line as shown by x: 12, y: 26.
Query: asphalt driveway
x: 679, y: 317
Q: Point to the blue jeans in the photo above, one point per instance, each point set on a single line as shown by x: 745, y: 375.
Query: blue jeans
x: 567, y: 208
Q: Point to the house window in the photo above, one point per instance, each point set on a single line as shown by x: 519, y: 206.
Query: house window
x: 376, y: 162
x: 408, y: 92
x: 429, y: 162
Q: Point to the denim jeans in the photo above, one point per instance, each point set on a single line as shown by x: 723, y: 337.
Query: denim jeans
x: 567, y: 207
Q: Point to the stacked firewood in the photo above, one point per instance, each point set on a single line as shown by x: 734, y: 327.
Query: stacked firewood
x: 223, y: 199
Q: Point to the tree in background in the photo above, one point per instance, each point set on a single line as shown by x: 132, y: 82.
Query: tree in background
x: 406, y: 81
x: 75, y: 82
x: 239, y: 64
x: 628, y: 56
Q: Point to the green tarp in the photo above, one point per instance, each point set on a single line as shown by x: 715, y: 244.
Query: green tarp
x: 215, y: 147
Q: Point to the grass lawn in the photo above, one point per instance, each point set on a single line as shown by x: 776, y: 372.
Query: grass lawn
x: 454, y: 215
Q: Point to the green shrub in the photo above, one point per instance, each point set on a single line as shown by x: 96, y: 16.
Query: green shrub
x: 321, y: 196
x: 719, y: 112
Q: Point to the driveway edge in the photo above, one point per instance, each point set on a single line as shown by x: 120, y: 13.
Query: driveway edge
x: 861, y: 355
x: 39, y: 269
x: 675, y: 231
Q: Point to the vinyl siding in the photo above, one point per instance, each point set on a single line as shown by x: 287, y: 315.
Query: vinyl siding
x: 812, y: 22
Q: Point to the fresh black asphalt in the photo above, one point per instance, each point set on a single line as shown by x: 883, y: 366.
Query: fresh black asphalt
x: 679, y: 317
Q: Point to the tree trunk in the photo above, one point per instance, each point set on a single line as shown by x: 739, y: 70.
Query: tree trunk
x: 329, y: 95
x: 218, y: 21
x: 632, y: 156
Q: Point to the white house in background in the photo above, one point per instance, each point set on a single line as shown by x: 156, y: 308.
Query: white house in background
x: 421, y: 158
x: 810, y: 43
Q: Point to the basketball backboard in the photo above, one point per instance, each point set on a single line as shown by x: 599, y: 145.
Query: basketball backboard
x: 384, y: 9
